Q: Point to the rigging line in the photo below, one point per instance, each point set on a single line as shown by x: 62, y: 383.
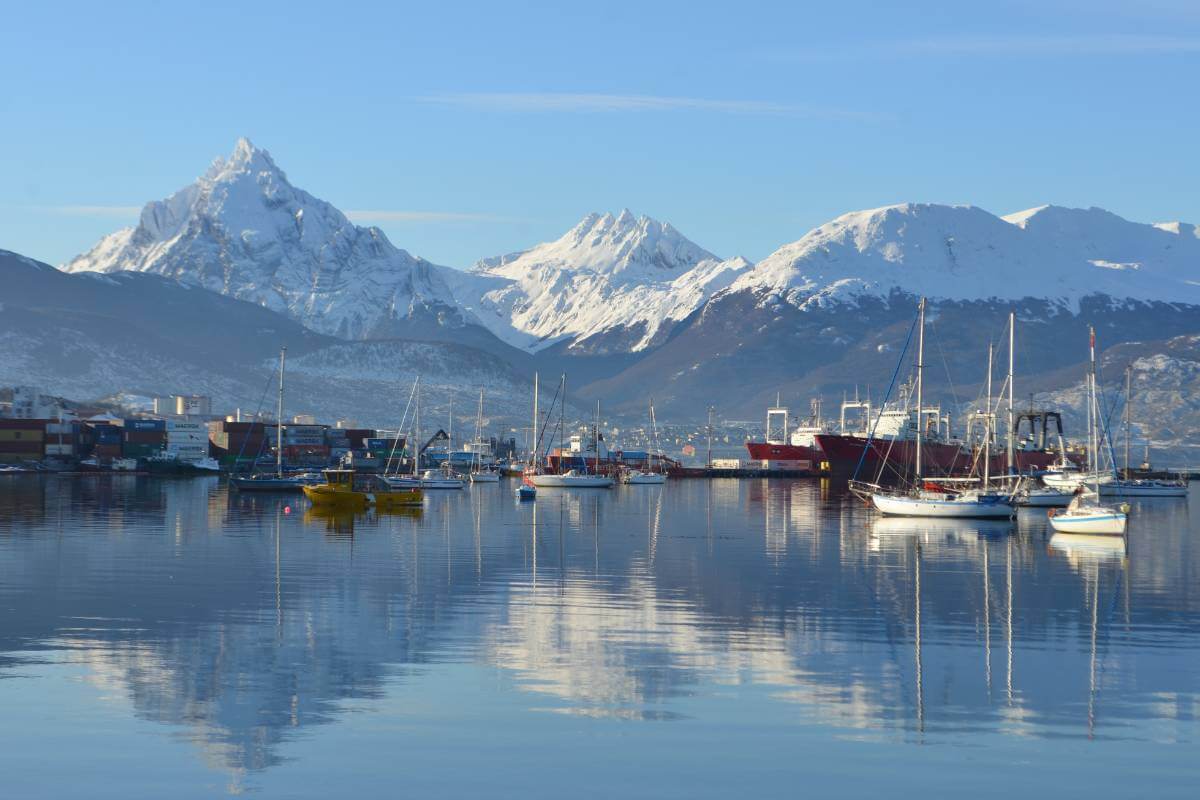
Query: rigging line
x: 257, y: 416
x: 875, y: 423
x: 403, y: 420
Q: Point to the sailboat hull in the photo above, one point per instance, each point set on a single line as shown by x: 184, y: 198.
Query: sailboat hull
x: 1143, y: 489
x: 572, y: 481
x: 984, y: 508
x: 1106, y: 523
x: 485, y: 477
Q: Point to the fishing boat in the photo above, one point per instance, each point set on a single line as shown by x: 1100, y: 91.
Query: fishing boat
x: 1085, y: 513
x: 341, y: 490
x: 926, y: 499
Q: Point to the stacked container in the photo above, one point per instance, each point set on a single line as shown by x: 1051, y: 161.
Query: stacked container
x: 22, y: 440
x: 187, y: 441
x: 143, y: 438
x: 60, y: 439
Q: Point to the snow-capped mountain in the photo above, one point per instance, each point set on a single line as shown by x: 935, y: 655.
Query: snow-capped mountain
x: 609, y: 284
x: 90, y: 335
x: 966, y: 253
x: 243, y: 230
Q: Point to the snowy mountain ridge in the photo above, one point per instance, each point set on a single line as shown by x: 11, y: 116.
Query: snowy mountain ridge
x: 243, y: 230
x: 608, y: 273
x: 966, y: 253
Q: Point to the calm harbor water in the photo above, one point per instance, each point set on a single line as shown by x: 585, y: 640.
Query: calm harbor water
x: 702, y: 639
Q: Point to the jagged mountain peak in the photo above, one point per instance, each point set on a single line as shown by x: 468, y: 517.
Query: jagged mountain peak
x: 242, y: 229
x: 246, y: 159
x: 635, y: 246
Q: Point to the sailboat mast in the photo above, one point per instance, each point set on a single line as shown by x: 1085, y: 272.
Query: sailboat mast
x: 920, y: 384
x: 1011, y: 444
x: 533, y: 446
x: 417, y: 431
x: 1093, y: 422
x: 279, y: 417
x: 987, y: 425
x: 1128, y: 402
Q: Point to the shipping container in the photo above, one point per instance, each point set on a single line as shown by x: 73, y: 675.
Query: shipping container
x: 145, y: 437
x: 26, y: 447
x: 106, y: 434
x: 145, y: 425
x: 60, y: 449
x: 26, y: 435
x: 726, y: 463
x: 186, y: 425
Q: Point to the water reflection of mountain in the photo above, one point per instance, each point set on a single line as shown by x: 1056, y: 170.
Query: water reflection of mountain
x: 245, y: 624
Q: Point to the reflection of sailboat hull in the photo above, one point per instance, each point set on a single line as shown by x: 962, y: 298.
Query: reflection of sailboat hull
x: 1080, y: 543
x: 910, y: 526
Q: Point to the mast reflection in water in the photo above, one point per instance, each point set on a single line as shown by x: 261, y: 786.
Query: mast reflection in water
x: 699, y: 638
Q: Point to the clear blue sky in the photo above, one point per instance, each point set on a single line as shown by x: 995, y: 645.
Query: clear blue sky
x: 472, y: 130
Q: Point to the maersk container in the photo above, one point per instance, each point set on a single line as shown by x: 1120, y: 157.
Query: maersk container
x: 186, y: 425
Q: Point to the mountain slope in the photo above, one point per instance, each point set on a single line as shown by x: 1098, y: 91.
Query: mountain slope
x: 966, y: 253
x: 243, y: 230
x: 89, y: 335
x: 610, y: 284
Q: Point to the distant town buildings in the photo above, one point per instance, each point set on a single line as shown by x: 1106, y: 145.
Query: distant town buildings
x: 29, y: 403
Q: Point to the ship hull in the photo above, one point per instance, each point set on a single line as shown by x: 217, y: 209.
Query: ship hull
x: 765, y: 451
x: 845, y: 452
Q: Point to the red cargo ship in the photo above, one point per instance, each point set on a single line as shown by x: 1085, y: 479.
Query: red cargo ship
x: 786, y: 448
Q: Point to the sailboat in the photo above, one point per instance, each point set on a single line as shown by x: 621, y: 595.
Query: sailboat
x: 277, y: 482
x: 922, y: 501
x: 479, y: 472
x: 572, y: 479
x: 650, y: 475
x: 1086, y: 514
x: 1139, y: 487
x: 526, y: 489
x: 429, y: 479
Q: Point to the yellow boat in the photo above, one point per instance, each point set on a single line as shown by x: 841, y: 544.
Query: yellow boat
x: 341, y: 490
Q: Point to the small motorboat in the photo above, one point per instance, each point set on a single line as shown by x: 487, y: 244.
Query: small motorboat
x: 341, y: 490
x: 526, y: 491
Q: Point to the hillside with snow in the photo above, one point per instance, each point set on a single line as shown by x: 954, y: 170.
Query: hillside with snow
x: 243, y: 230
x: 966, y: 253
x: 611, y: 283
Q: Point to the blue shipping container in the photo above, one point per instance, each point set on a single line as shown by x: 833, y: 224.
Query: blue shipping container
x: 145, y: 425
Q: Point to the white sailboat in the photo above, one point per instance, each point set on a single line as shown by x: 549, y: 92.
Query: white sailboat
x: 430, y: 478
x: 525, y: 489
x: 570, y: 479
x: 922, y: 501
x: 479, y: 472
x: 1086, y: 514
x: 1139, y: 487
x: 649, y: 476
